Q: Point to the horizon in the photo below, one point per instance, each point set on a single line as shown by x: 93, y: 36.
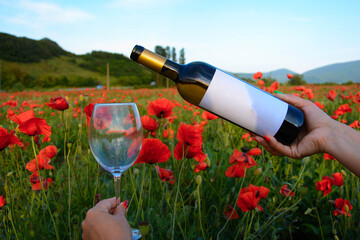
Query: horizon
x: 239, y: 37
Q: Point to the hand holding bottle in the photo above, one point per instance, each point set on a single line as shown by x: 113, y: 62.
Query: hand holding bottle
x: 320, y: 134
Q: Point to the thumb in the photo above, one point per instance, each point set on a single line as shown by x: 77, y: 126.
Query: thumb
x: 294, y: 100
x: 106, y: 205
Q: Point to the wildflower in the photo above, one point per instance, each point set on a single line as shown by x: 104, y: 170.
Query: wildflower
x: 331, y: 95
x: 7, y: 139
x: 328, y: 157
x: 190, y: 151
x: 289, y: 76
x: 88, y: 111
x: 325, y: 185
x: 153, y: 151
x: 208, y: 116
x: 2, y: 201
x: 249, y: 197
x: 49, y: 151
x: 342, y: 207
x: 235, y: 171
x: 162, y: 108
x: 58, y: 103
x: 257, y: 75
x: 286, y: 191
x: 274, y: 86
x: 30, y: 125
x: 149, y: 123
x: 230, y: 213
x: 342, y: 109
x: 42, y: 161
x: 245, y: 157
x: 34, y: 179
x: 165, y: 175
x: 190, y: 135
x: 201, y: 166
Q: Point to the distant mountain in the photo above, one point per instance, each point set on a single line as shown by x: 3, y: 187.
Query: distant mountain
x: 338, y: 73
x: 279, y: 75
x: 22, y: 49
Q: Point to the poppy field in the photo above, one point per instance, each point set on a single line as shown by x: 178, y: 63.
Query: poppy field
x: 197, y: 176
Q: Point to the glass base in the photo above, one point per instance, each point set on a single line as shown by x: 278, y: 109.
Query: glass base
x: 135, y: 234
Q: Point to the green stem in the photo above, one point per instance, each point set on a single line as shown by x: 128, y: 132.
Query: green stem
x: 199, y: 201
x: 318, y: 217
x: 69, y: 197
x: 176, y: 197
x: 43, y: 190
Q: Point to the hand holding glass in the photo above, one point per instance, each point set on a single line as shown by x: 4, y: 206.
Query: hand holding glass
x: 115, y: 138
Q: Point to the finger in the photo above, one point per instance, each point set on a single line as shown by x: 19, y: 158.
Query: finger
x: 293, y: 100
x: 279, y: 147
x: 267, y: 146
x: 106, y: 204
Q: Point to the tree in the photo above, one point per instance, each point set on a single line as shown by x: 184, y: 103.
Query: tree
x: 297, y: 79
x: 173, y: 54
x: 182, y: 56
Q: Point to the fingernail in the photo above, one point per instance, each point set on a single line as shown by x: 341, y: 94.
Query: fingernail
x: 125, y: 204
x: 267, y: 138
x: 276, y: 91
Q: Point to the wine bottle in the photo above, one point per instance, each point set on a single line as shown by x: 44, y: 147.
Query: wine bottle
x: 226, y: 96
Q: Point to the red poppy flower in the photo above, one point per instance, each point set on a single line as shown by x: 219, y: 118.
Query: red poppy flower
x: 43, y: 163
x: 338, y: 179
x: 342, y: 207
x: 165, y: 175
x: 286, y: 191
x: 149, y: 123
x: 88, y: 111
x: 342, y: 109
x: 193, y: 151
x: 34, y: 179
x: 35, y: 126
x: 23, y: 117
x: 245, y: 157
x: 274, y: 86
x: 261, y: 83
x: 249, y: 197
x: 162, y: 108
x: 355, y: 124
x: 331, y: 95
x: 58, y: 103
x: 208, y: 116
x: 7, y: 139
x: 190, y: 135
x: 325, y: 185
x: 49, y: 151
x: 153, y: 151
x: 230, y: 213
x: 257, y: 75
x: 235, y: 171
x: 168, y: 133
x: 2, y: 201
x: 328, y: 157
x: 289, y: 76
x: 201, y: 166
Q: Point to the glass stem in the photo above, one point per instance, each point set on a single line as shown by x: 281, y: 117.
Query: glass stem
x: 117, y: 187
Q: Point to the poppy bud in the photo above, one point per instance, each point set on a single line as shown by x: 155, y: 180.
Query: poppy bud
x: 334, y: 231
x: 308, y: 211
x: 198, y: 180
x: 306, y: 160
x: 336, y: 237
x: 195, y: 194
x: 343, y: 172
x: 69, y: 145
x: 144, y: 228
x: 347, y: 208
x: 207, y: 160
x: 10, y: 174
x: 257, y: 172
x: 81, y: 98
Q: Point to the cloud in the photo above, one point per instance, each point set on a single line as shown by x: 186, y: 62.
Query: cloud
x: 40, y: 14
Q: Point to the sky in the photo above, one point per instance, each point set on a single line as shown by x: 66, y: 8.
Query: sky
x: 233, y: 35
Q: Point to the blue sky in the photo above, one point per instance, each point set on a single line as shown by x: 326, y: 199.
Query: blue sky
x: 236, y: 36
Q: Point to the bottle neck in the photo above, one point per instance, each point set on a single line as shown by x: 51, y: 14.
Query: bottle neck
x: 156, y: 62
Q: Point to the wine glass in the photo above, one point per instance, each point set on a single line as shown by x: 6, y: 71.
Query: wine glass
x: 115, y: 139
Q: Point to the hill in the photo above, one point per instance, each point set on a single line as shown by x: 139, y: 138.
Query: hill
x: 338, y: 73
x: 279, y: 75
x: 27, y: 63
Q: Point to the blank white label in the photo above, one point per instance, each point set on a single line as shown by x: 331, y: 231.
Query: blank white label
x: 244, y: 104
